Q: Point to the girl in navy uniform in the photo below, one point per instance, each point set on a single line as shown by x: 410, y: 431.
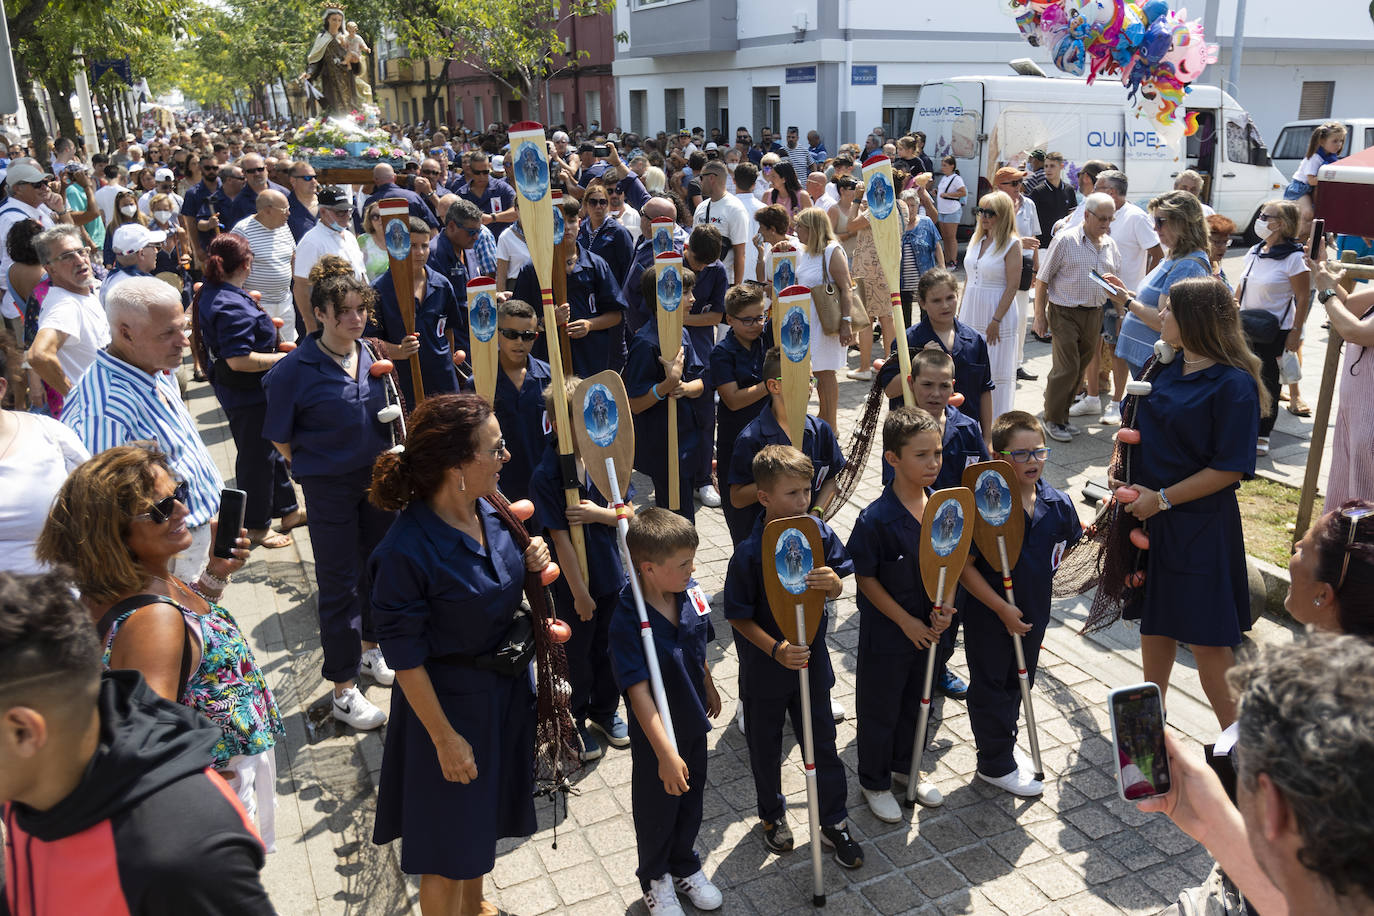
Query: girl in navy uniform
x: 1052, y: 526
x: 519, y: 398
x: 737, y: 374
x: 322, y: 404
x: 457, y: 772
x: 1197, y: 432
x: 702, y: 257
x: 667, y: 782
x: 238, y: 342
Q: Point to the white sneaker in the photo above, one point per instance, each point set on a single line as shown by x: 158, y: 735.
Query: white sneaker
x: 860, y: 375
x: 352, y: 708
x: 1112, y: 415
x: 1087, y: 407
x: 883, y: 806
x: 709, y: 496
x: 375, y: 667
x: 661, y: 900
x: 699, y: 889
x: 836, y: 710
x: 1262, y: 445
x: 1017, y: 782
x: 928, y: 796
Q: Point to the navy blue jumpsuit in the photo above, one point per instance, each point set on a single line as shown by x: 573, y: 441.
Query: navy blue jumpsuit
x: 731, y: 361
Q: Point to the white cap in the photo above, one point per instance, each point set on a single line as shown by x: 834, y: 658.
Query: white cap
x: 165, y: 175
x: 132, y: 238
x: 23, y: 172
x: 498, y: 165
x: 710, y: 146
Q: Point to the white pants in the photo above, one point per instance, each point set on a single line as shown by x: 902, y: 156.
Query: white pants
x: 190, y: 563
x: 254, y: 781
x: 286, y: 311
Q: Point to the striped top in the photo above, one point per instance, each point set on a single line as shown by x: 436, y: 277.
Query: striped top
x: 115, y: 403
x: 272, y: 253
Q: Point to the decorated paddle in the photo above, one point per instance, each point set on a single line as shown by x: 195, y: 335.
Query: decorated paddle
x: 529, y: 164
x: 946, y: 533
x: 782, y: 273
x: 998, y: 530
x: 792, y: 325
x: 482, y: 322
x: 792, y: 547
x: 668, y: 292
x: 564, y: 247
x: 606, y: 440
x: 885, y: 219
x: 661, y: 228
x: 395, y: 215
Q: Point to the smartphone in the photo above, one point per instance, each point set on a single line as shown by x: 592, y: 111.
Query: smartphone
x: 1318, y: 252
x: 232, y: 504
x: 1102, y: 282
x: 1142, y: 764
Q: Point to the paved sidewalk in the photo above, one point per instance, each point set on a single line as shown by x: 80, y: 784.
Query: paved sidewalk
x: 1077, y: 850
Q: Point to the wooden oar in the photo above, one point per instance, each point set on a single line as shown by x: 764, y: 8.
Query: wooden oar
x: 885, y: 218
x: 482, y: 321
x: 792, y: 547
x: 792, y: 326
x: 782, y: 273
x: 395, y: 215
x: 668, y: 292
x: 661, y: 233
x: 606, y: 440
x: 998, y: 531
x: 564, y: 247
x: 946, y: 533
x: 529, y: 166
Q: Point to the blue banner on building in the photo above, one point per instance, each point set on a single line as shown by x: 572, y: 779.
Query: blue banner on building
x: 805, y: 74
x: 863, y: 75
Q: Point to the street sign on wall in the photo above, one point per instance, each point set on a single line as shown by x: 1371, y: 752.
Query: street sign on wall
x: 805, y: 74
x: 863, y: 75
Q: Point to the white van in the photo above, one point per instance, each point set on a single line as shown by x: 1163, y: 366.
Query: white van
x: 1295, y: 135
x: 987, y: 121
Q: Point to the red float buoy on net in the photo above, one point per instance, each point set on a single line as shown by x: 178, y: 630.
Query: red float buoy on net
x: 550, y: 574
x: 523, y: 509
x: 1127, y: 494
x: 286, y: 346
x: 1140, y: 539
x: 1128, y: 436
x: 380, y: 368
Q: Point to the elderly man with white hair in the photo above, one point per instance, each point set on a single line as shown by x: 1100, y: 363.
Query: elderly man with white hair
x: 126, y: 396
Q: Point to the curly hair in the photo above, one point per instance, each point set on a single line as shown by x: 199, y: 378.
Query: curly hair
x: 1307, y: 722
x: 442, y: 434
x: 47, y: 643
x: 1331, y: 534
x: 333, y: 280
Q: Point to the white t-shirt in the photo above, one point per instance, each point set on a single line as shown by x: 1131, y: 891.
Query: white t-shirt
x: 1134, y: 233
x: 949, y: 184
x: 1027, y: 218
x: 1308, y: 167
x: 319, y: 241
x: 732, y: 220
x: 752, y: 205
x: 44, y: 453
x: 826, y: 201
x: 83, y: 320
x: 1267, y: 285
x: 628, y: 217
x: 510, y: 247
x: 105, y: 198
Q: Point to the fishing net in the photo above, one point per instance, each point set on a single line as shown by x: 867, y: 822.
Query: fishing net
x: 860, y: 444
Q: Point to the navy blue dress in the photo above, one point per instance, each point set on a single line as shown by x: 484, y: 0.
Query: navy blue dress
x: 1196, y: 590
x: 524, y: 425
x: 443, y: 594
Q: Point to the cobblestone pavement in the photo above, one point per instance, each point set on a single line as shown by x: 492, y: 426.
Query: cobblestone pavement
x: 1077, y: 850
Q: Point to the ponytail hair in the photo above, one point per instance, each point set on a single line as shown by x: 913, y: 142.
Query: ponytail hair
x: 441, y: 434
x: 226, y: 256
x: 1320, y: 135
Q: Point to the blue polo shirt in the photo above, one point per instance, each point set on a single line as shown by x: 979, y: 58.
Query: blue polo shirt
x: 604, y: 569
x: 497, y: 190
x: 198, y: 204
x: 818, y: 443
x: 523, y: 424
x: 232, y: 324
x: 962, y: 445
x: 642, y: 371
x: 708, y: 296
x: 885, y: 544
x: 681, y: 649
x: 612, y: 242
x: 731, y: 361
x: 438, y: 312
x: 636, y: 195
x: 592, y: 291
x: 972, y: 368
x: 745, y: 599
x: 328, y: 418
x: 592, y: 172
x: 414, y: 202
x: 299, y: 219
x: 246, y: 203
x: 222, y: 204
x: 446, y: 259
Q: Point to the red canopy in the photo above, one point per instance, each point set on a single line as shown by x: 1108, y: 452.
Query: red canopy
x: 1345, y: 194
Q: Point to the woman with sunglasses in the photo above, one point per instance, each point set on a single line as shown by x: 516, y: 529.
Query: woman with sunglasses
x: 1196, y: 426
x: 372, y: 243
x: 993, y: 262
x: 117, y: 523
x: 602, y: 234
x: 1352, y: 316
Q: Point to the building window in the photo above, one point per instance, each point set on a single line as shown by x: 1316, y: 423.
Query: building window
x: 478, y: 121
x: 1316, y: 99
x: 718, y: 108
x: 556, y: 108
x: 592, y: 100
x: 674, y: 110
x: 639, y: 110
x: 899, y: 104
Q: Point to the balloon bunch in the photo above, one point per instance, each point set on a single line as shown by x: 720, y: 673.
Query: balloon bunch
x: 1154, y: 50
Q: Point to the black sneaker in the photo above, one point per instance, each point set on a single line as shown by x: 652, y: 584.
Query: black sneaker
x: 847, y: 852
x: 777, y: 837
x: 1025, y: 376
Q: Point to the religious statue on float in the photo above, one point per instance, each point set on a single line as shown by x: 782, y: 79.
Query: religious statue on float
x: 333, y: 74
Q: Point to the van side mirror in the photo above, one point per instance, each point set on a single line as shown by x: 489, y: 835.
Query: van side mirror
x: 1259, y: 155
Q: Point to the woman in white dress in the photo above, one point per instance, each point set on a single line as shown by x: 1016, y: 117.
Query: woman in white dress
x: 823, y: 259
x: 993, y: 263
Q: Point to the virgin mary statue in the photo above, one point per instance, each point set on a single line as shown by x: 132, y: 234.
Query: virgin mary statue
x: 331, y: 71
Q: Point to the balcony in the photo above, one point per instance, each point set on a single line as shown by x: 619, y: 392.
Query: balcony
x: 662, y: 27
x: 398, y: 70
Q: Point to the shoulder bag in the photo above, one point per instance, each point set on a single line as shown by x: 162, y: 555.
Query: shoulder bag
x: 826, y: 298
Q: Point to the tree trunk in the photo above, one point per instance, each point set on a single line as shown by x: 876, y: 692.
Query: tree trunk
x: 61, y: 97
x: 38, y: 129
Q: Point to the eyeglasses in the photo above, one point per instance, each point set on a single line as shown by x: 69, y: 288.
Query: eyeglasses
x: 160, y: 511
x: 1008, y: 184
x: 984, y: 211
x: 497, y: 450
x: 1022, y: 455
x: 1266, y: 217
x: 599, y: 202
x: 812, y: 380
x: 68, y: 257
x: 526, y: 336
x: 1352, y: 515
x: 255, y: 171
x: 304, y: 177
x: 751, y: 320
x: 1105, y: 219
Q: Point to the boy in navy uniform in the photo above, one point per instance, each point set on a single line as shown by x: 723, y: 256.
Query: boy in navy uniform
x: 518, y: 401
x: 649, y: 381
x: 769, y: 687
x: 896, y: 629
x: 702, y: 257
x: 667, y: 782
x: 818, y: 444
x: 737, y: 374
x: 587, y: 606
x: 1052, y: 526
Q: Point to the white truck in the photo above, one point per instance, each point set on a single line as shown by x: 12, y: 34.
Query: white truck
x: 989, y: 121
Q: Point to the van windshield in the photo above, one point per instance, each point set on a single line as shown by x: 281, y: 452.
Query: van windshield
x: 1292, y: 142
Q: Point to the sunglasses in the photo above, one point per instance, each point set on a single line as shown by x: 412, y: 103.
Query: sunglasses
x: 1353, y: 515
x: 984, y: 211
x: 483, y: 172
x: 1266, y: 217
x: 1159, y: 223
x: 160, y: 511
x: 1022, y: 455
x: 430, y: 173
x: 304, y: 177
x: 599, y: 202
x: 526, y: 336
x: 255, y: 171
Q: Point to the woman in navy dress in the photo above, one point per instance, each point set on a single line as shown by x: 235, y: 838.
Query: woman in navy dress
x: 457, y: 772
x: 1197, y: 428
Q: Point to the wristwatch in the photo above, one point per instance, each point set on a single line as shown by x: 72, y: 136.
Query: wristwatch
x: 1326, y: 295
x: 847, y: 318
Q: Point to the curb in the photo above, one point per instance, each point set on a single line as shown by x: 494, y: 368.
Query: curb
x: 1268, y: 588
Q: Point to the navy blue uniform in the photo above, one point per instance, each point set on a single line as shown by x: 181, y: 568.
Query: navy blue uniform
x: 198, y: 204
x: 299, y: 219
x: 232, y: 324
x: 891, y: 670
x: 818, y: 443
x: 994, y: 691
x: 731, y: 361
x: 708, y: 296
x: 451, y: 263
x: 642, y: 371
x: 439, y: 312
x: 666, y: 825
x: 594, y: 693
x: 497, y: 197
x: 771, y: 693
x: 636, y: 312
x: 523, y: 424
x: 437, y: 593
x: 246, y: 203
x: 962, y: 444
x: 1196, y: 587
x: 330, y: 421
x: 415, y: 204
x: 972, y: 369
x: 592, y: 291
x: 612, y: 243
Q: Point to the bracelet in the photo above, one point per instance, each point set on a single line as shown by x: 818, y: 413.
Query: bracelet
x: 654, y: 389
x: 213, y: 581
x: 817, y: 511
x: 996, y: 319
x: 1164, y: 500
x: 774, y: 654
x: 847, y: 318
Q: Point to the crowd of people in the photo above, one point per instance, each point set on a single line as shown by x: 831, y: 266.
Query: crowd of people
x: 218, y: 237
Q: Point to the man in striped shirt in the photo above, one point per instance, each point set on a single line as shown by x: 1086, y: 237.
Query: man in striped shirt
x: 273, y: 249
x: 128, y: 395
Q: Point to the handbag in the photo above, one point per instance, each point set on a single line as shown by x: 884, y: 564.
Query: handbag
x: 826, y: 299
x: 510, y: 658
x: 1027, y: 272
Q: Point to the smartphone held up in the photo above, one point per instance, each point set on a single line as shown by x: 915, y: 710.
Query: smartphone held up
x: 1142, y: 763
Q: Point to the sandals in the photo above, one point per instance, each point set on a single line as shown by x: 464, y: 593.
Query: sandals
x: 300, y: 520
x: 1298, y: 408
x: 272, y: 540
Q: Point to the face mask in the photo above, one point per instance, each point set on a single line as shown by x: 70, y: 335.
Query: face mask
x: 129, y: 209
x: 162, y: 216
x: 333, y: 227
x: 731, y: 166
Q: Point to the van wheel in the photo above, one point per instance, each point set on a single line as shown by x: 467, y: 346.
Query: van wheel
x: 1251, y: 236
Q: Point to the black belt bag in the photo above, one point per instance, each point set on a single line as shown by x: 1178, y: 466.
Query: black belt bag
x: 510, y: 658
x: 238, y: 381
x: 1027, y: 272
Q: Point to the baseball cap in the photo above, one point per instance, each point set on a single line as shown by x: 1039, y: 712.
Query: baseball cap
x: 711, y: 146
x: 24, y: 173
x: 498, y: 165
x: 1007, y: 173
x: 131, y: 238
x: 334, y: 198
x: 1038, y: 155
x: 165, y: 175
x: 612, y: 138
